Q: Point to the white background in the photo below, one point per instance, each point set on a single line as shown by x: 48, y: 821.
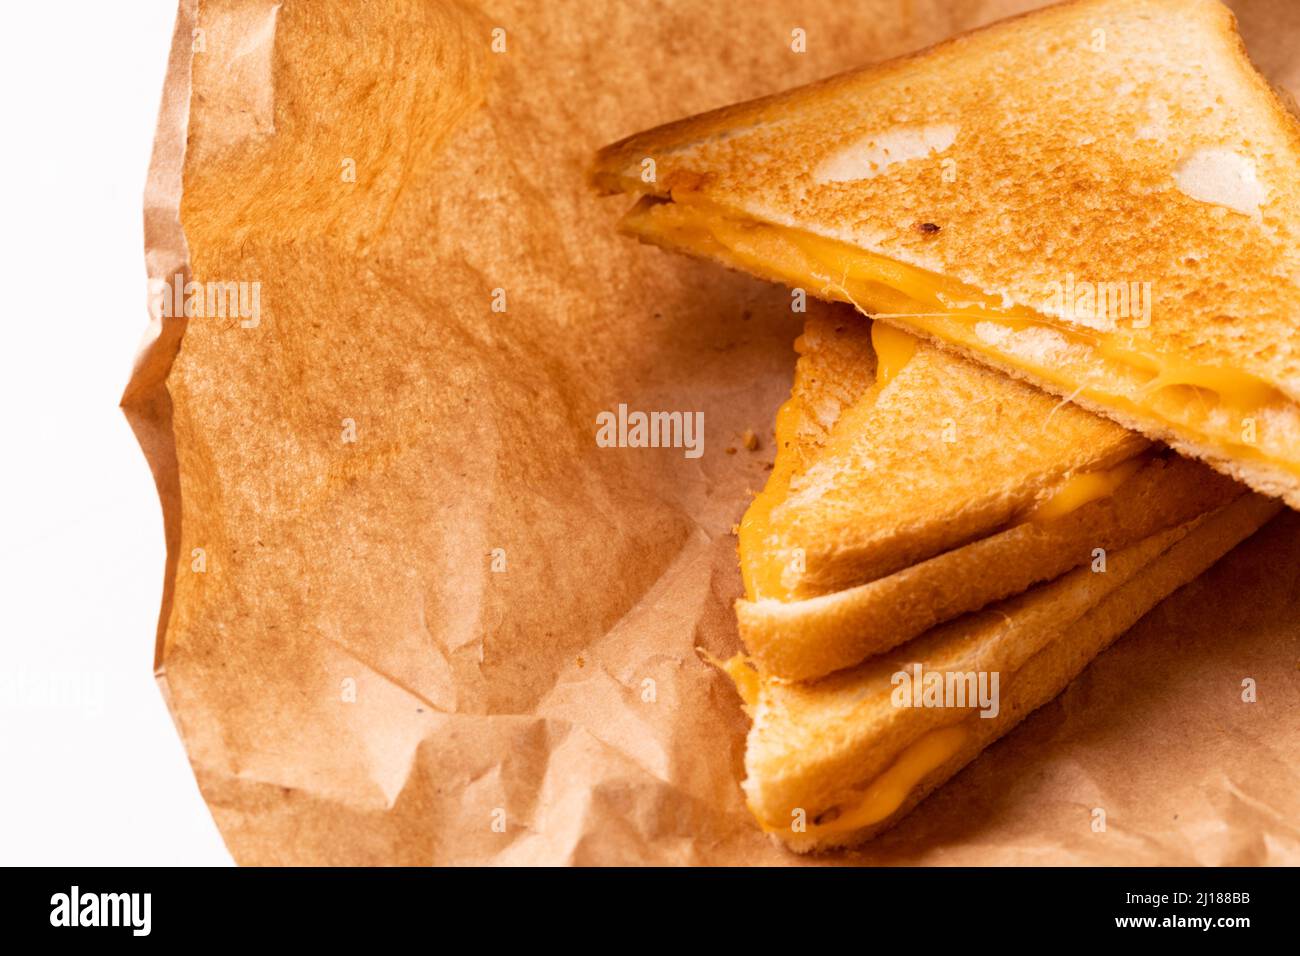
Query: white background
x: 91, y: 768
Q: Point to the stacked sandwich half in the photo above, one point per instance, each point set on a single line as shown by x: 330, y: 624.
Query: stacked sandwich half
x: 939, y: 522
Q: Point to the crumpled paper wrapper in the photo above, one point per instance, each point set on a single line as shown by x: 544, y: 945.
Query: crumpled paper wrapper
x: 413, y: 614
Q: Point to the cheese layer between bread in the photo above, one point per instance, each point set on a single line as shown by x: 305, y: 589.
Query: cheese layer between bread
x: 1220, y: 408
x: 833, y: 762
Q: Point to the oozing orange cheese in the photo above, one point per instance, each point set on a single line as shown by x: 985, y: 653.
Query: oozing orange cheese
x: 744, y: 676
x: 886, y: 793
x: 894, y: 348
x: 1181, y: 395
x: 883, y: 795
x: 1077, y: 490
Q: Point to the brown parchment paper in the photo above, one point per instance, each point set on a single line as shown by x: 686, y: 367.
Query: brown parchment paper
x: 413, y: 614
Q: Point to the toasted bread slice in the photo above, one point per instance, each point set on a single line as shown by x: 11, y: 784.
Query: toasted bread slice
x: 944, y: 453
x: 834, y: 762
x: 872, y: 528
x: 1101, y: 197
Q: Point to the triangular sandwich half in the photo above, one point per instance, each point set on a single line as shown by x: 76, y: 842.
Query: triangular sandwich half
x: 911, y: 486
x: 833, y: 762
x: 1101, y: 197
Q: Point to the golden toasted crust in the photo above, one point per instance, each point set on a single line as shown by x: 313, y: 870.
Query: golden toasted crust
x: 1051, y: 146
x: 814, y: 746
x: 838, y: 412
x: 1261, y: 475
x: 804, y: 640
x: 945, y: 453
x: 836, y: 368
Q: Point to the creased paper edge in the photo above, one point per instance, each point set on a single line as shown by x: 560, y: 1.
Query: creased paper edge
x: 145, y: 400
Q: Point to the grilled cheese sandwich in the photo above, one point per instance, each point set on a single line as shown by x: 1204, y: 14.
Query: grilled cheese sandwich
x: 871, y: 529
x: 1215, y: 405
x: 834, y: 762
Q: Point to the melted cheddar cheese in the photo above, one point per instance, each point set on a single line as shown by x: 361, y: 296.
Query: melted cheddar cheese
x: 1077, y: 490
x: 884, y: 795
x: 1186, y: 397
x: 894, y: 348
